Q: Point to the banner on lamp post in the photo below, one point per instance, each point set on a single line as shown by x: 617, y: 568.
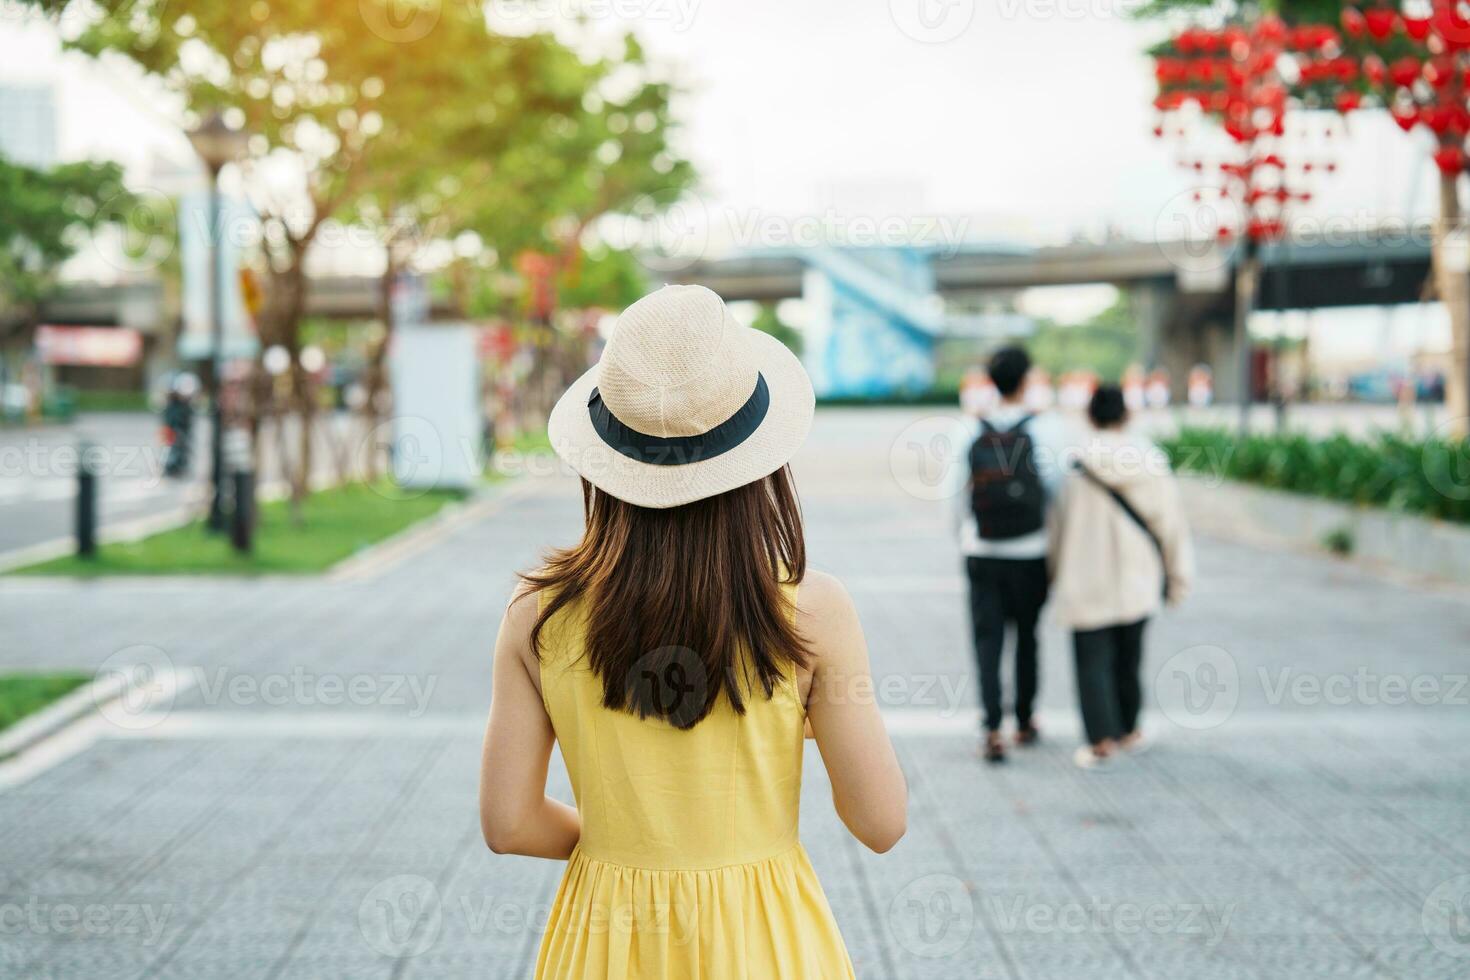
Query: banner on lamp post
x: 239, y: 225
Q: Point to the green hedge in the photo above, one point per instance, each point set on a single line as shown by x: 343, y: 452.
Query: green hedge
x: 111, y: 401
x: 949, y: 397
x: 1418, y: 476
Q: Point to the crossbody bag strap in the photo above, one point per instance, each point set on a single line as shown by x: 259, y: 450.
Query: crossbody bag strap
x: 1133, y: 515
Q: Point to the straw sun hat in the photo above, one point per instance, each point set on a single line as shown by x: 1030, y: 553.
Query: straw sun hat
x: 685, y: 404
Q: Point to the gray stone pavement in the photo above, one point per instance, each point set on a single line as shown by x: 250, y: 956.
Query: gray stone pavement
x: 305, y: 806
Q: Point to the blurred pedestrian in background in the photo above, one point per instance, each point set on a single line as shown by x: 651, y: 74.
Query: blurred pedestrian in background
x: 1006, y: 470
x: 178, y: 425
x: 1120, y: 550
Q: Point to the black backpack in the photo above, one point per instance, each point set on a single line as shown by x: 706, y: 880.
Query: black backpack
x: 1005, y: 488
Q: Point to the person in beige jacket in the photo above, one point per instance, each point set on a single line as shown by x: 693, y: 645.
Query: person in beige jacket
x: 1112, y: 569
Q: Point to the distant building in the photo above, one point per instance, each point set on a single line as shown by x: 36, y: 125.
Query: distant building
x: 28, y: 125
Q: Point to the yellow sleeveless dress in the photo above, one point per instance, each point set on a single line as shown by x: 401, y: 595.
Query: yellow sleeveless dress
x: 689, y: 866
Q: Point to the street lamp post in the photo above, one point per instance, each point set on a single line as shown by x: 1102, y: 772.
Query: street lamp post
x: 217, y: 143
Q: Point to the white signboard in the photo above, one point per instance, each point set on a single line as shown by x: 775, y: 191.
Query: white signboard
x: 437, y: 428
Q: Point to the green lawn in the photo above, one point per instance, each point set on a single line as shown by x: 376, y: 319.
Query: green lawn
x: 24, y: 694
x: 510, y: 458
x: 535, y: 441
x: 337, y: 523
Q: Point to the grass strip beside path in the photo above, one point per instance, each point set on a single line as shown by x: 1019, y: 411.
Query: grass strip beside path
x: 337, y: 523
x: 24, y: 694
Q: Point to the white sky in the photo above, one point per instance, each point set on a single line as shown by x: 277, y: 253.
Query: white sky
x: 1032, y: 122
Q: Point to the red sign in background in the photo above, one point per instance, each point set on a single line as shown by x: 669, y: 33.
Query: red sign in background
x: 89, y: 346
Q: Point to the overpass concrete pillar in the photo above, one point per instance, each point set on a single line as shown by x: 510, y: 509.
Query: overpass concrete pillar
x: 1151, y: 304
x: 1221, y: 351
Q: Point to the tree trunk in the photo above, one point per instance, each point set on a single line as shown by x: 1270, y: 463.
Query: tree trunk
x: 375, y: 376
x: 1452, y: 283
x: 304, y: 395
x: 1247, y: 277
x: 280, y: 323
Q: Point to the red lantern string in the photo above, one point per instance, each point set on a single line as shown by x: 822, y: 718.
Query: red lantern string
x: 1230, y: 75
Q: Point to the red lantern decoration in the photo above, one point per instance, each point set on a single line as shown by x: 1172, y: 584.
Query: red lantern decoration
x: 1404, y: 71
x: 1270, y: 29
x: 1380, y: 21
x: 1449, y: 159
x: 1232, y: 74
x: 1437, y: 118
x: 1439, y: 72
x: 1451, y: 27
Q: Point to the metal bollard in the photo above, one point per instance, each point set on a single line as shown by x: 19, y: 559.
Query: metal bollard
x: 86, y: 522
x: 242, y: 517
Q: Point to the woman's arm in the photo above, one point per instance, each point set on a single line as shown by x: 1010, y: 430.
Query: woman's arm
x: 516, y: 816
x: 1178, y: 545
x: 868, y: 788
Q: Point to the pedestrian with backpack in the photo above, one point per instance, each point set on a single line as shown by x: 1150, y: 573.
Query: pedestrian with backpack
x: 1121, y: 550
x: 1007, y: 467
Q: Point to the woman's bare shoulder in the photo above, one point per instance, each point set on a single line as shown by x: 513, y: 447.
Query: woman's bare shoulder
x: 821, y: 592
x: 824, y: 611
x: 519, y: 620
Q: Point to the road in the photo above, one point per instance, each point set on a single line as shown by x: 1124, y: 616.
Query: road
x: 38, y: 467
x: 303, y: 805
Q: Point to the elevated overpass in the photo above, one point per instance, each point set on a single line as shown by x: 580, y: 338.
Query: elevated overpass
x: 1182, y: 295
x: 1363, y: 268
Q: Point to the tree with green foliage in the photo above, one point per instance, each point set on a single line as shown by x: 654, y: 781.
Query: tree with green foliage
x: 768, y: 321
x: 1107, y: 343
x: 585, y: 138
x: 45, y: 217
x: 416, y: 118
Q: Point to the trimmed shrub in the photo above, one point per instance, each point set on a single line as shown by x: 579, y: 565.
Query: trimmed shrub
x: 1416, y: 476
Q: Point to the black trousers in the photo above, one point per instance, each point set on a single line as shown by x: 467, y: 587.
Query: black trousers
x: 1108, y: 660
x: 1006, y: 590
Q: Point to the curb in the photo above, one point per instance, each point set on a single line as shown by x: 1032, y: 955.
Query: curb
x: 59, y: 714
x: 378, y: 558
x: 1406, y: 547
x: 69, y: 726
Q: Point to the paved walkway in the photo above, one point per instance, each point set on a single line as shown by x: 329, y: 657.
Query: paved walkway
x: 304, y: 805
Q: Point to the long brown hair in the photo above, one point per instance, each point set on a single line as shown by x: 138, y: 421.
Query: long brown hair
x: 683, y: 604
